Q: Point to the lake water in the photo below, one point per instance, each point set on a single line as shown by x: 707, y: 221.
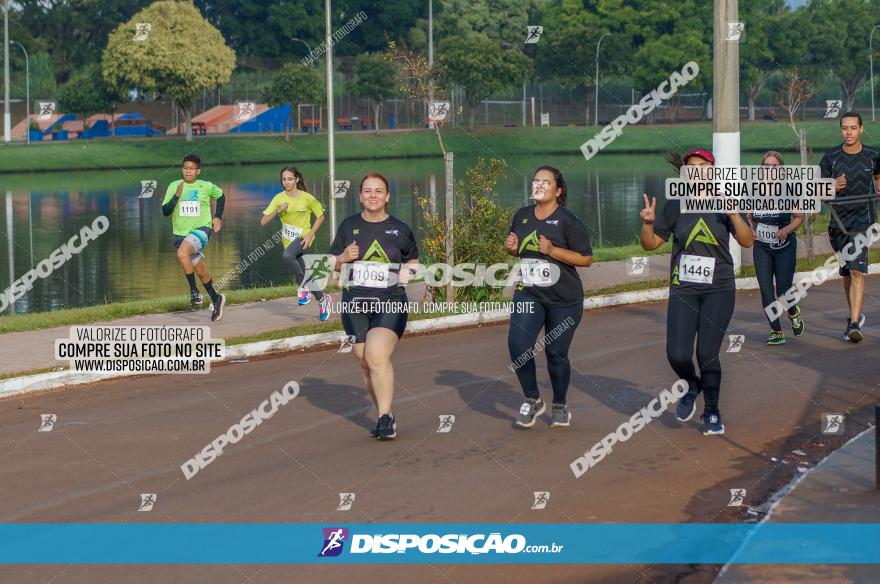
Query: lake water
x: 135, y: 258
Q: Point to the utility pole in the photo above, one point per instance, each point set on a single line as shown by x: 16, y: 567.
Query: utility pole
x: 725, y: 98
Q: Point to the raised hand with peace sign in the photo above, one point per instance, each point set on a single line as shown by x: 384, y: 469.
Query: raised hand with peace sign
x: 648, y: 214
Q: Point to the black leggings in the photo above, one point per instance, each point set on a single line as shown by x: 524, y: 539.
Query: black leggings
x: 703, y: 317
x: 559, y: 323
x: 293, y: 258
x: 778, y: 263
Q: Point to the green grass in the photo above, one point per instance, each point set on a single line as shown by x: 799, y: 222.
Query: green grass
x: 625, y: 252
x: 232, y: 150
x: 104, y: 312
x: 27, y: 373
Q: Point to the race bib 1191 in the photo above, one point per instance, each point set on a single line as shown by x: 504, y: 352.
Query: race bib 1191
x: 190, y: 208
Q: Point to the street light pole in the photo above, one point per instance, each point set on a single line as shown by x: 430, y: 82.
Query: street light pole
x: 27, y: 70
x: 596, y: 113
x: 331, y: 121
x: 430, y: 62
x: 7, y: 115
x: 871, y: 56
x: 308, y: 48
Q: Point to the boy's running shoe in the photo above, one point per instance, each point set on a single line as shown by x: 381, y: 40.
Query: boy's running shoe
x: 853, y: 333
x: 529, y: 412
x: 712, y: 424
x: 776, y: 338
x: 217, y: 311
x: 325, y: 307
x: 195, y: 300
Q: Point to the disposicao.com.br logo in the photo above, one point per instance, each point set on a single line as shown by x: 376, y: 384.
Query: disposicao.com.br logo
x: 334, y: 539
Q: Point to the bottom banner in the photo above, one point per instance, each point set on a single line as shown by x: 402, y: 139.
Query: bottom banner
x: 425, y: 543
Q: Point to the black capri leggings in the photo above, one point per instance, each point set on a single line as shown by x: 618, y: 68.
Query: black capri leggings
x: 702, y: 317
x: 559, y: 323
x: 778, y: 264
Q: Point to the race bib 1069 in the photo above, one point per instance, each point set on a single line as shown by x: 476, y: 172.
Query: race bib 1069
x: 371, y: 274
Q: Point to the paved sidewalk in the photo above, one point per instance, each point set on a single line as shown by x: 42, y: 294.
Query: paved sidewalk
x: 32, y: 350
x: 840, y: 490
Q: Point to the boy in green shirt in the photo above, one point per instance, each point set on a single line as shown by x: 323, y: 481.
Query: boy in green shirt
x: 295, y: 207
x: 188, y: 202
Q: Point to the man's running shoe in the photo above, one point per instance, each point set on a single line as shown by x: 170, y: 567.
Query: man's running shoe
x: 217, y: 311
x: 776, y: 338
x: 561, y: 416
x: 853, y: 333
x: 712, y: 424
x: 302, y: 297
x: 195, y: 300
x: 797, y: 323
x: 386, y: 427
x: 861, y: 320
x: 529, y: 412
x: 687, y: 405
x: 325, y: 307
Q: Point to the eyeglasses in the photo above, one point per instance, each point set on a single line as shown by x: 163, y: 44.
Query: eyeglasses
x: 539, y: 183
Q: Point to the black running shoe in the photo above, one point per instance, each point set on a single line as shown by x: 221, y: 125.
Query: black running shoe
x: 687, y: 405
x: 386, y: 429
x: 853, y: 332
x: 217, y: 312
x: 195, y: 300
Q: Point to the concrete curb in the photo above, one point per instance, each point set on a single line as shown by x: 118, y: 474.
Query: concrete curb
x: 58, y: 379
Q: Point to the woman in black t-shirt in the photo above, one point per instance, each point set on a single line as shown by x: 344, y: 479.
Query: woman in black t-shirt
x: 775, y: 257
x: 551, y: 243
x: 702, y: 291
x: 371, y: 249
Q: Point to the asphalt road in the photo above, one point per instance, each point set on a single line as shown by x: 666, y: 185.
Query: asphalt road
x: 117, y: 439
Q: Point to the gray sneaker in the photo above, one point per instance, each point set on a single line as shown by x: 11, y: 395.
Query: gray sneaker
x: 529, y: 412
x: 561, y: 416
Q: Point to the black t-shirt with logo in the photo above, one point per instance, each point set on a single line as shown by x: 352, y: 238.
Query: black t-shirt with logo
x: 860, y: 170
x: 385, y: 242
x: 701, y: 260
x: 773, y: 219
x: 564, y: 230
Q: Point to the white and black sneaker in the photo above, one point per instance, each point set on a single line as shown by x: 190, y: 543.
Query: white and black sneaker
x: 195, y: 300
x: 712, y: 424
x: 217, y: 308
x: 529, y: 412
x: 386, y: 427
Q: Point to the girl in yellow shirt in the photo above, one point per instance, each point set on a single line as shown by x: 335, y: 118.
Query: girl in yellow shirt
x: 295, y: 207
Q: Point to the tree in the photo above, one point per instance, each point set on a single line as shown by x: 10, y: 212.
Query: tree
x: 374, y: 79
x: 660, y: 57
x: 295, y: 84
x: 87, y: 93
x: 179, y: 56
x: 843, y: 50
x: 481, y: 68
x: 771, y: 40
x: 72, y: 31
x: 503, y: 21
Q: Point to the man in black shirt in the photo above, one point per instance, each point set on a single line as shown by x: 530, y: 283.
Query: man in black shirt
x: 856, y: 168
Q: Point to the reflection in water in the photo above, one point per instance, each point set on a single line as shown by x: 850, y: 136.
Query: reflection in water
x: 135, y: 259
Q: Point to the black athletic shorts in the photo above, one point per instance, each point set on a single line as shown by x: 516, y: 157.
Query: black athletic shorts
x: 839, y: 241
x: 360, y: 314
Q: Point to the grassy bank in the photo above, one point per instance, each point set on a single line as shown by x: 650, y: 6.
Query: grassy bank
x: 498, y: 142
